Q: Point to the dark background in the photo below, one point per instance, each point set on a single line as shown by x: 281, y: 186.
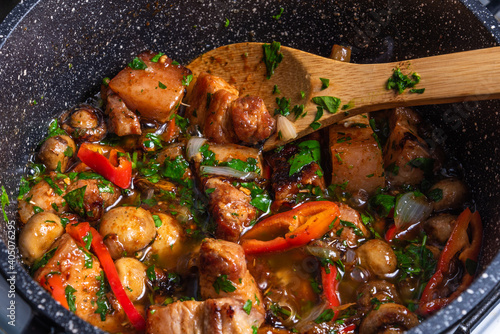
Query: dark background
x: 6, y: 6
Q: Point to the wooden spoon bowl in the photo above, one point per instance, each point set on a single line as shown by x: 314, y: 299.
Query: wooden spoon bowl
x: 463, y: 76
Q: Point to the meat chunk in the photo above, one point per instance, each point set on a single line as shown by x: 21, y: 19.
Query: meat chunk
x: 288, y: 188
x: 252, y: 122
x: 212, y: 316
x: 197, y: 99
x: 230, y: 208
x: 222, y: 260
x: 154, y: 92
x: 99, y: 194
x: 348, y: 214
x: 42, y: 197
x: 356, y: 158
x: 218, y: 126
x: 121, y: 120
x: 406, y: 155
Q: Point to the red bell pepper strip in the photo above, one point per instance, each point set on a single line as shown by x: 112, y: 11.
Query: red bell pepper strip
x: 115, y: 169
x: 320, y: 217
x: 347, y: 329
x: 78, y: 231
x: 330, y: 285
x: 54, y: 284
x: 467, y: 248
x: 391, y: 233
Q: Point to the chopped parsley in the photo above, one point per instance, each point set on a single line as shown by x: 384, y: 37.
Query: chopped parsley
x: 87, y: 238
x: 283, y: 106
x: 150, y: 273
x: 103, y: 305
x: 330, y: 103
x: 4, y: 201
x: 157, y: 220
x: 161, y: 85
x: 226, y: 23
x: 276, y: 90
x: 43, y: 260
x: 137, y: 64
x: 244, y: 166
x: 75, y: 200
x: 399, y: 81
x: 248, y: 306
x: 272, y: 57
x: 70, y: 297
x: 315, y: 124
x: 355, y: 229
x: 53, y: 185
x: 417, y: 91
x: 89, y: 262
x: 175, y: 169
x: 309, y: 151
x: 382, y: 203
x: 325, y: 83
x: 415, y: 261
x: 260, y: 198
x: 156, y: 57
x: 278, y: 16
x: 326, y: 316
x: 298, y: 111
x: 435, y: 194
x: 186, y: 80
x: 224, y: 284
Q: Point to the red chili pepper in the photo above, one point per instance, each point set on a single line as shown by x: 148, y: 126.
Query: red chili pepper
x: 171, y: 130
x: 54, y: 284
x: 319, y: 217
x: 467, y: 248
x: 391, y: 233
x: 330, y: 285
x: 78, y: 231
x: 115, y: 169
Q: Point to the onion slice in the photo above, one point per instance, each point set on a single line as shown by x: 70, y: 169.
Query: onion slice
x: 228, y: 171
x: 286, y: 128
x: 410, y: 209
x: 193, y: 146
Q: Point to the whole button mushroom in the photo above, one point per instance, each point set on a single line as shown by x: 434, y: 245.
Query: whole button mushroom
x: 56, y: 152
x: 378, y: 257
x: 127, y: 230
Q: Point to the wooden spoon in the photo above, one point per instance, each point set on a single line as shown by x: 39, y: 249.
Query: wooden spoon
x: 462, y: 76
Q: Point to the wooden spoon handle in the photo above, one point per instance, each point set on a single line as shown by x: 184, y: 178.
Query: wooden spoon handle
x: 463, y: 76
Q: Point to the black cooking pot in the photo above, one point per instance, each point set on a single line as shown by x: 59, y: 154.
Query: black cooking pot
x: 54, y: 54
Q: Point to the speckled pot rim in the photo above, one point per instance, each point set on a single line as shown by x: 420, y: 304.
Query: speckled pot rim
x: 43, y: 303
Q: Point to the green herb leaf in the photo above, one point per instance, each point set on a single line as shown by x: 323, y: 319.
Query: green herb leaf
x: 278, y: 16
x: 87, y: 238
x: 70, y: 297
x: 417, y: 91
x: 150, y: 273
x: 309, y: 151
x: 226, y: 23
x: 53, y: 185
x: 325, y: 83
x: 161, y: 85
x: 137, y: 64
x: 276, y: 90
x: 4, y: 201
x: 157, y: 57
x: 68, y: 152
x: 175, y: 169
x: 103, y: 305
x: 186, y: 80
x: 315, y: 124
x: 248, y: 306
x: 326, y: 316
x: 382, y: 203
x: 260, y: 198
x: 43, y: 260
x: 24, y: 188
x: 355, y: 229
x: 157, y: 220
x: 415, y: 261
x: 75, y: 200
x: 399, y: 81
x: 283, y: 106
x: 435, y: 194
x: 330, y: 103
x: 224, y: 284
x: 89, y: 262
x: 272, y: 57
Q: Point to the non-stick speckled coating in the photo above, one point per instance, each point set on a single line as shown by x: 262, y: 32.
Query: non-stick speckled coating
x: 56, y: 53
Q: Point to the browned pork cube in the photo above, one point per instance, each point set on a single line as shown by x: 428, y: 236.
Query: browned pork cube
x: 218, y: 126
x: 252, y: 122
x: 198, y: 99
x: 154, y: 92
x: 230, y: 208
x: 122, y: 121
x: 356, y: 158
x: 406, y: 155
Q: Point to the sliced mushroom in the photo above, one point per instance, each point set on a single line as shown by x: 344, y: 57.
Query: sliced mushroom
x: 390, y: 317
